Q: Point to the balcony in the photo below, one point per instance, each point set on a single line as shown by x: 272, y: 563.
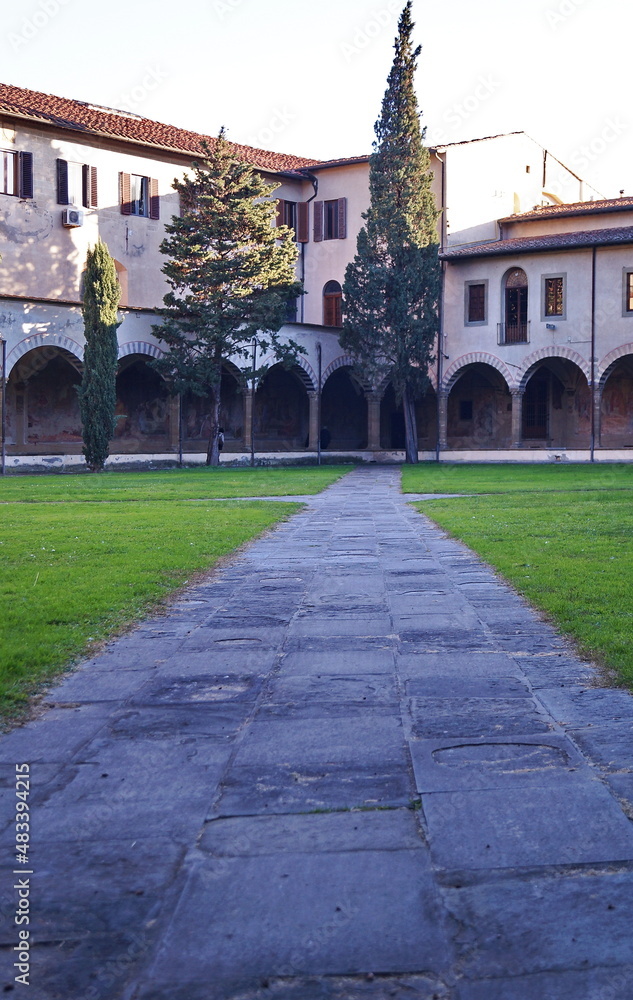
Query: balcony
x: 513, y: 333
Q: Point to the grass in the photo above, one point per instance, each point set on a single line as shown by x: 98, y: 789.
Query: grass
x: 175, y: 484
x: 568, y: 550
x: 82, y: 557
x: 429, y: 477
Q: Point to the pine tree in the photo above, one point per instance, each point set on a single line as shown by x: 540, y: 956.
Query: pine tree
x: 231, y: 274
x: 97, y: 392
x: 392, y: 287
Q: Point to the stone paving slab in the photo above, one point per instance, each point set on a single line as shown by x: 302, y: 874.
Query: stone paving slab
x: 555, y: 824
x: 351, y: 763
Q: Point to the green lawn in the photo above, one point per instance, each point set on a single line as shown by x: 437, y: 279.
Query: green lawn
x: 568, y: 549
x: 429, y: 477
x: 82, y: 556
x: 173, y: 484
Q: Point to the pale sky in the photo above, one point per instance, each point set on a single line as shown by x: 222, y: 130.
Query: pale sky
x: 308, y: 78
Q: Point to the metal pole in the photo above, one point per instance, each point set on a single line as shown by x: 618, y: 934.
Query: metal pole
x: 254, y: 345
x: 592, y: 450
x: 4, y: 404
x: 318, y: 348
x: 180, y: 429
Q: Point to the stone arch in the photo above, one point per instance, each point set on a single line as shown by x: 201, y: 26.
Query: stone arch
x: 44, y: 340
x: 281, y: 409
x: 604, y: 367
x: 555, y: 399
x: 42, y: 408
x: 343, y: 361
x: 615, y: 383
x: 140, y: 347
x: 544, y: 353
x: 454, y: 371
x: 478, y: 404
x: 301, y: 368
x: 343, y: 409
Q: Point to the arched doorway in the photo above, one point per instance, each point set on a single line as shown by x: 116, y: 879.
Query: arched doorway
x: 616, y: 420
x: 281, y: 413
x: 196, y: 423
x: 515, y: 328
x: 392, y: 434
x: 479, y: 409
x: 344, y: 411
x: 142, y: 407
x: 42, y: 403
x: 556, y: 405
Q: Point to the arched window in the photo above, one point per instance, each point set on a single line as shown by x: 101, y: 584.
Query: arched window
x: 515, y: 328
x: 121, y: 273
x: 332, y: 301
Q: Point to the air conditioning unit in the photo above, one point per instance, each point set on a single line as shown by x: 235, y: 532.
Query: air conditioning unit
x: 72, y: 217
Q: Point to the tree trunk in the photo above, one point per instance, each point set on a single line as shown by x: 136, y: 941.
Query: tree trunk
x: 213, y: 450
x: 410, y: 428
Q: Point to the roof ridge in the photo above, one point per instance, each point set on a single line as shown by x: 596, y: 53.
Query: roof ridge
x: 86, y: 116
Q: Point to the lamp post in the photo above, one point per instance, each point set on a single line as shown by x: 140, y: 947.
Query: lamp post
x: 254, y: 346
x: 318, y: 350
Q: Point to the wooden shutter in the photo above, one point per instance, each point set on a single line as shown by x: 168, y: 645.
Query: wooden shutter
x: 280, y: 212
x: 342, y: 218
x: 124, y: 181
x: 26, y: 175
x: 154, y: 201
x: 89, y: 186
x: 62, y: 182
x: 303, y: 226
x: 318, y: 221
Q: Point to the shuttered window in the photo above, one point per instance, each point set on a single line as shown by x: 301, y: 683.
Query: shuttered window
x: 139, y: 196
x: 330, y: 219
x: 9, y: 172
x: 16, y: 173
x: 332, y: 304
x: 303, y: 232
x: 76, y: 184
x: 26, y: 175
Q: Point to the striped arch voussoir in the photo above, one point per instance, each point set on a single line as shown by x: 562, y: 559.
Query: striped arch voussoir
x: 344, y: 361
x: 139, y: 347
x: 603, y: 368
x: 43, y: 340
x: 553, y: 352
x: 453, y: 372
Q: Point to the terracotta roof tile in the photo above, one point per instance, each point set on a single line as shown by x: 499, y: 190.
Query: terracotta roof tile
x: 82, y: 116
x: 573, y: 208
x: 536, y: 244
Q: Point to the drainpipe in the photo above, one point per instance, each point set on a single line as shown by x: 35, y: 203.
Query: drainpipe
x: 440, y: 336
x: 315, y: 184
x: 3, y: 384
x: 592, y: 457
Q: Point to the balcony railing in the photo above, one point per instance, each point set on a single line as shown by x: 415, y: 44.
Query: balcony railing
x: 513, y: 333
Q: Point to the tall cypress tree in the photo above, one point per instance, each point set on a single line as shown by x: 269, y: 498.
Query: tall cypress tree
x: 392, y: 287
x: 97, y: 392
x: 231, y: 274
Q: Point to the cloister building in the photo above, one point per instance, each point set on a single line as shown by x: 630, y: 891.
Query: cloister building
x: 535, y: 354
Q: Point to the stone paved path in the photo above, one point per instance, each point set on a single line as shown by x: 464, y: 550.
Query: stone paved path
x: 352, y: 764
